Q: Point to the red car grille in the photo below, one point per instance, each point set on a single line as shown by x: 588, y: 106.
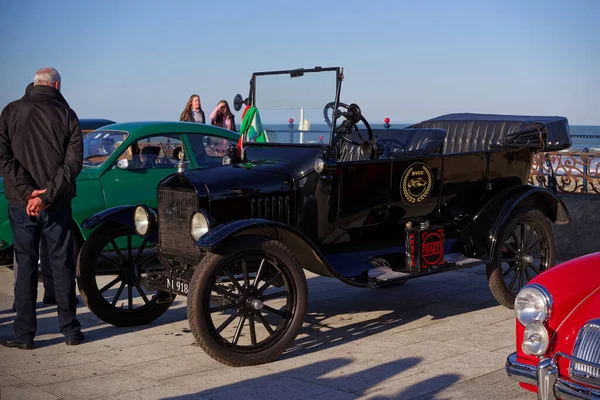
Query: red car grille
x: 587, y: 348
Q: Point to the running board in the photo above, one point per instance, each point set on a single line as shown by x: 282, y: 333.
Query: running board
x: 383, y: 275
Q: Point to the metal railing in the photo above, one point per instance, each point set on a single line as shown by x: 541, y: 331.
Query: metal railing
x: 577, y: 172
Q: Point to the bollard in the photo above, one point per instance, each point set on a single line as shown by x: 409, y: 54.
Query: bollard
x: 386, y: 124
x: 291, y: 126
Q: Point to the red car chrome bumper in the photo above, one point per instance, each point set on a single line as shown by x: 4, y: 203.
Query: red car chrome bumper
x: 544, y: 375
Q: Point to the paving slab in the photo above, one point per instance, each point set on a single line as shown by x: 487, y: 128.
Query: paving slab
x: 442, y: 336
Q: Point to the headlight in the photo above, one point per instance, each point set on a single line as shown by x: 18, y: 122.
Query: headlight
x: 535, y: 339
x: 143, y: 218
x: 319, y: 165
x: 199, y: 225
x: 533, y: 303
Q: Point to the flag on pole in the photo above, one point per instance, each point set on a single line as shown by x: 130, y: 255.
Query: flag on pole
x: 252, y: 126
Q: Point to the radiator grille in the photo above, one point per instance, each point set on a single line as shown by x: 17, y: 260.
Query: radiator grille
x: 587, y: 348
x: 174, y: 211
x: 274, y: 208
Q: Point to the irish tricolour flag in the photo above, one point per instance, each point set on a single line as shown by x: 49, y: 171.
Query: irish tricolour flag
x: 251, y: 127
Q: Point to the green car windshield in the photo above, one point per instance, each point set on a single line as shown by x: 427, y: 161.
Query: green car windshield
x: 280, y: 98
x: 98, y: 146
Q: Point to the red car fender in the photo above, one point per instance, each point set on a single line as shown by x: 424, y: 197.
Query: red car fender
x: 575, y: 289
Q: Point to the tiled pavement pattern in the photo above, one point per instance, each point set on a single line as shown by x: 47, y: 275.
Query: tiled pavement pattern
x: 438, y: 337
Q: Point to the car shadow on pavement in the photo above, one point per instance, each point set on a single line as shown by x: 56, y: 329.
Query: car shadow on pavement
x: 332, y: 378
x: 332, y: 323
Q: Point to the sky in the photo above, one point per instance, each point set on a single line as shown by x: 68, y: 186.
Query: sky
x: 407, y: 60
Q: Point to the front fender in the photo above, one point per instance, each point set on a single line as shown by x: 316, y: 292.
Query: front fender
x: 309, y: 256
x: 495, y: 213
x: 120, y: 214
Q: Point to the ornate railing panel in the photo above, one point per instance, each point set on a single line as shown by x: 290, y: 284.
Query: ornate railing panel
x: 577, y: 172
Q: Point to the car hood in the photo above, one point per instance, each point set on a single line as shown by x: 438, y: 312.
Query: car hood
x: 233, y: 189
x: 236, y: 180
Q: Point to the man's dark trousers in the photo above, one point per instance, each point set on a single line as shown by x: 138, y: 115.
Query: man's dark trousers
x: 55, y: 225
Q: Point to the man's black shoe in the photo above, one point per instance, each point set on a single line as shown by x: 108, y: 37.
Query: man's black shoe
x: 49, y: 300
x: 17, y: 343
x: 76, y: 340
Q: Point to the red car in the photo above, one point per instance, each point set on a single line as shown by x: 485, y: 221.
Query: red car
x: 558, y: 332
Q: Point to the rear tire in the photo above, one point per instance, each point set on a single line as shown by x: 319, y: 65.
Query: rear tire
x: 94, y: 297
x: 524, y: 249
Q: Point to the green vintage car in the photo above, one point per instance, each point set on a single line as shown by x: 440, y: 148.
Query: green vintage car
x: 123, y: 164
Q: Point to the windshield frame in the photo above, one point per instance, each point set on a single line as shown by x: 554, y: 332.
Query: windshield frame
x: 339, y: 76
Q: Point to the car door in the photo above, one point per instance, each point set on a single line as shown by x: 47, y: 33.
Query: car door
x: 133, y: 178
x: 364, y: 192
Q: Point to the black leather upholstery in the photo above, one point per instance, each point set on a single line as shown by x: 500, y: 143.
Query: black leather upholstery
x: 398, y: 142
x: 469, y: 136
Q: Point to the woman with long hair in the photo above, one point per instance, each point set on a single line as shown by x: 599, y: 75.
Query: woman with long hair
x: 222, y: 116
x: 193, y: 110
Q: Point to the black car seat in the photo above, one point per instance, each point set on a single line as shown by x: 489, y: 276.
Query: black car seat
x: 149, y: 156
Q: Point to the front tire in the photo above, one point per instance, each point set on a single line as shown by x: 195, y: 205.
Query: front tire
x: 524, y: 249
x: 256, y: 282
x: 108, y: 274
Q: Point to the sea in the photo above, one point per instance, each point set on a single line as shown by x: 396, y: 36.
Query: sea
x: 582, y: 136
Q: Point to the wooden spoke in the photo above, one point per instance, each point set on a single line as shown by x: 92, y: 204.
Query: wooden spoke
x: 252, y: 330
x: 118, y: 251
x: 233, y: 280
x: 265, y: 323
x: 228, y: 321
x: 222, y: 307
x: 259, y: 273
x: 269, y: 282
x: 238, y: 330
x: 118, y: 295
x: 275, y: 295
x: 141, y: 292
x: 281, y: 313
x: 110, y: 284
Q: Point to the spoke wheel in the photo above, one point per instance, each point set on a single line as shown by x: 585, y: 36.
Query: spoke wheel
x: 247, y: 301
x: 111, y: 264
x: 525, y: 249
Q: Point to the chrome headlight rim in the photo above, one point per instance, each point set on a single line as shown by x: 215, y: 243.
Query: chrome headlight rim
x: 196, y: 232
x: 535, y: 327
x: 546, y: 299
x: 144, y: 219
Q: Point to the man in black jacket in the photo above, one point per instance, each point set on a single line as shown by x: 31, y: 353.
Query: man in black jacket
x: 41, y: 154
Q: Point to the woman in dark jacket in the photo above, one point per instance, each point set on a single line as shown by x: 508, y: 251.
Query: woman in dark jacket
x: 193, y: 111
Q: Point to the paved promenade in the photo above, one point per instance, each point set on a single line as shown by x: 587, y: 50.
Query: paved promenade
x: 438, y: 337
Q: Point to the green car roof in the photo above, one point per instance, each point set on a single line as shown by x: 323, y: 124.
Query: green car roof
x: 139, y: 128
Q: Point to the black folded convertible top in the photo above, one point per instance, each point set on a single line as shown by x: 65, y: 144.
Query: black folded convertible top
x: 543, y: 133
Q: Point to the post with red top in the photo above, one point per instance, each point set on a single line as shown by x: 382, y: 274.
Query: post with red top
x: 386, y: 124
x: 291, y: 126
x: 321, y: 139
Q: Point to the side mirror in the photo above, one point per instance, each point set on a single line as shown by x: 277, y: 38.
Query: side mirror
x: 238, y: 101
x: 123, y: 163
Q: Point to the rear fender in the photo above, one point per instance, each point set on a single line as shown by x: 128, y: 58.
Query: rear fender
x: 309, y: 256
x: 483, y: 230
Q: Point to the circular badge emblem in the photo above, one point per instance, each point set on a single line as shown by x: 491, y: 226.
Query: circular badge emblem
x: 416, y: 184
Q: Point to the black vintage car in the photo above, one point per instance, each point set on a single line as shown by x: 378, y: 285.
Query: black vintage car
x: 371, y: 207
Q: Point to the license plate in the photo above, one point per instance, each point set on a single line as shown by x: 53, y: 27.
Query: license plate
x: 177, y: 285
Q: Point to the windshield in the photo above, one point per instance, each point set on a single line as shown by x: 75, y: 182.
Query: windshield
x: 291, y: 108
x: 98, y: 146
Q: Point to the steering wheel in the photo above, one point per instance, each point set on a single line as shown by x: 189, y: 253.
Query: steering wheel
x: 345, y: 126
